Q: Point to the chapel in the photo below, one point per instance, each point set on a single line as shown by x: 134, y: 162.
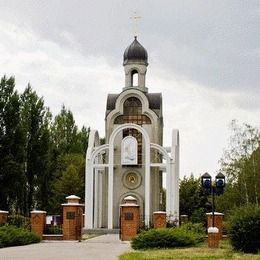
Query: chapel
x: 133, y: 159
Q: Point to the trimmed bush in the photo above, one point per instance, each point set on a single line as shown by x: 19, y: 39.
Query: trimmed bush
x: 19, y: 221
x: 53, y: 230
x: 195, y: 227
x: 12, y: 236
x: 244, y: 229
x: 166, y: 238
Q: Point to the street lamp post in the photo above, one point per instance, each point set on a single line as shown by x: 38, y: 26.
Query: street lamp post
x: 213, y: 189
x: 216, y: 188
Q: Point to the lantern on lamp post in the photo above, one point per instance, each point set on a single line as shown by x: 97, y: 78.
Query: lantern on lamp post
x: 210, y: 188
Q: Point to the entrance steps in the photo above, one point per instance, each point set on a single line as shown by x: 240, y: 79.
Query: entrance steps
x: 100, y: 231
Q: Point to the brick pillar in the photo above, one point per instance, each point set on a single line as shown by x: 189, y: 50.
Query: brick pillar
x: 218, y: 220
x: 72, y: 218
x: 3, y: 216
x: 184, y: 219
x: 129, y: 218
x: 213, y: 237
x: 38, y: 220
x: 159, y: 219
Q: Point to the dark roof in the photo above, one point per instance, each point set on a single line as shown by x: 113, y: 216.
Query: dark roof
x: 135, y: 52
x: 154, y: 99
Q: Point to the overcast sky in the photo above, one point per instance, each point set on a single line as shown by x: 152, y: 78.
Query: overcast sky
x: 204, y: 56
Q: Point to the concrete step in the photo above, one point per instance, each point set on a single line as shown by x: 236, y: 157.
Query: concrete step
x: 100, y: 231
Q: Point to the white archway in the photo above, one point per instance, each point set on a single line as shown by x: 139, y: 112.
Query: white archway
x: 93, y: 163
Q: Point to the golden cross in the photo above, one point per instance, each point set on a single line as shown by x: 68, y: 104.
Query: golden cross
x: 135, y: 19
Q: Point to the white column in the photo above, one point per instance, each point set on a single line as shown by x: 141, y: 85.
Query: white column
x: 169, y: 201
x: 110, y: 186
x: 176, y: 159
x: 147, y: 181
x: 96, y: 199
x: 100, y: 176
x: 89, y: 196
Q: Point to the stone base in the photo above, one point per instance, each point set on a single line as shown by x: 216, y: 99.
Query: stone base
x: 52, y: 237
x: 100, y: 231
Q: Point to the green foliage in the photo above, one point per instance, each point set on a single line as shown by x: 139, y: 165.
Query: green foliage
x: 12, y: 236
x: 192, y: 200
x: 11, y: 146
x: 194, y: 227
x: 34, y: 152
x: 166, y: 238
x: 241, y: 165
x: 244, y: 228
x: 53, y: 230
x: 19, y: 221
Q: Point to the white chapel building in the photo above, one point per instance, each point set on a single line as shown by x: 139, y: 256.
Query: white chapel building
x: 133, y: 159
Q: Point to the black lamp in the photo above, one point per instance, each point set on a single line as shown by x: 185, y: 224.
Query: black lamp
x: 220, y: 183
x: 206, y: 183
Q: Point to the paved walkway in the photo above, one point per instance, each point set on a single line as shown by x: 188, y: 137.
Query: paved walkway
x: 106, y: 247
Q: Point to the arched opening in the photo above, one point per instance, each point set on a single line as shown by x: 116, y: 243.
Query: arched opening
x: 134, y: 78
x: 133, y: 114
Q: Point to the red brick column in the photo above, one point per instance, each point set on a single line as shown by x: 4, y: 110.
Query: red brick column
x: 3, y: 216
x: 184, y: 219
x: 38, y: 220
x: 218, y: 222
x: 129, y: 218
x: 213, y: 237
x: 72, y: 218
x: 159, y: 219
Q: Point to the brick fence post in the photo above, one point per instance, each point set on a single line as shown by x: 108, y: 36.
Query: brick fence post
x: 159, y: 219
x: 72, y: 218
x: 3, y: 216
x: 38, y: 220
x: 213, y: 237
x: 218, y: 222
x: 129, y: 218
x: 184, y: 219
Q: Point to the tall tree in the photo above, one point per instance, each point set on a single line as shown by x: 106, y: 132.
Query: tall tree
x: 35, y: 127
x: 241, y: 164
x: 12, y: 177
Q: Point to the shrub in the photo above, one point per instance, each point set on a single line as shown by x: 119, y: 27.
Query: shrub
x: 166, y: 238
x: 19, y: 221
x: 53, y: 230
x: 194, y: 227
x: 244, y: 228
x: 12, y: 236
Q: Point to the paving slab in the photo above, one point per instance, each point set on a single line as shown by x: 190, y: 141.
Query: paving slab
x: 106, y: 247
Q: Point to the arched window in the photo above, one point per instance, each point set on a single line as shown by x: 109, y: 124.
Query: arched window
x: 134, y: 78
x: 133, y: 114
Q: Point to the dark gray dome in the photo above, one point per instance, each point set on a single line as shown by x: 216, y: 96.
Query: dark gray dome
x: 135, y: 52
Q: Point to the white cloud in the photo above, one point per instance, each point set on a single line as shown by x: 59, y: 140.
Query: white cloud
x: 63, y: 75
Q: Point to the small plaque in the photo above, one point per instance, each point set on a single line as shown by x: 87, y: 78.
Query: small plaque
x: 129, y: 216
x: 70, y: 215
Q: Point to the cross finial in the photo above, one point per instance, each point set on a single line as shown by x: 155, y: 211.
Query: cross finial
x: 135, y: 19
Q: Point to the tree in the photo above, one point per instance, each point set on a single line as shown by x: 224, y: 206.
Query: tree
x: 192, y: 200
x: 70, y: 180
x: 241, y: 165
x: 12, y: 177
x: 34, y: 121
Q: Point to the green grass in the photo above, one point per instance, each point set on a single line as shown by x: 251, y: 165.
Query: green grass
x: 199, y: 252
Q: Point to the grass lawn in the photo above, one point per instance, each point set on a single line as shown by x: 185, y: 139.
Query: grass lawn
x: 200, y: 252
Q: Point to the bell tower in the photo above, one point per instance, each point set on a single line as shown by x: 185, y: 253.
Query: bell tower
x: 135, y: 64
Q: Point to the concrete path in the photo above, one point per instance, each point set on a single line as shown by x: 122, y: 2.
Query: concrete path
x: 106, y: 247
